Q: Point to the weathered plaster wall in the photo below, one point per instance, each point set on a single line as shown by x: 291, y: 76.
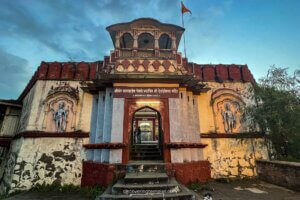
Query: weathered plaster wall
x: 210, y: 123
x: 3, y: 159
x: 184, y: 126
x: 26, y: 110
x: 231, y: 157
x: 34, y: 161
x: 10, y: 122
x: 33, y: 113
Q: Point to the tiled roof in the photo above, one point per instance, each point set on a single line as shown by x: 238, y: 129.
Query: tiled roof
x: 84, y: 71
x: 63, y: 71
x: 220, y: 72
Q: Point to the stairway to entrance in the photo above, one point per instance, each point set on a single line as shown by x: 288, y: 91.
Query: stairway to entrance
x: 147, y: 180
x: 146, y: 151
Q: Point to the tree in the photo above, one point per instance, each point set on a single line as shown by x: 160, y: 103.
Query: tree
x: 276, y: 111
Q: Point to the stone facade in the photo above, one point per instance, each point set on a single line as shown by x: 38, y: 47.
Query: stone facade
x: 234, y: 157
x: 36, y: 111
x: 43, y: 161
x: 39, y: 157
x: 73, y: 129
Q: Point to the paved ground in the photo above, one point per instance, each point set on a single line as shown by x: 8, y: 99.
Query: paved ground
x: 245, y: 190
x: 237, y: 190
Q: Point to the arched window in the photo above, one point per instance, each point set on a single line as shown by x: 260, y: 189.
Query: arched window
x: 146, y: 41
x: 165, y: 42
x: 126, y: 41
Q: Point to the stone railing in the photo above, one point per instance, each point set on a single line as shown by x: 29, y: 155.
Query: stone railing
x: 286, y: 174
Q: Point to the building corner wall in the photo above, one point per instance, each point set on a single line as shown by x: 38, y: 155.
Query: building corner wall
x: 37, y: 161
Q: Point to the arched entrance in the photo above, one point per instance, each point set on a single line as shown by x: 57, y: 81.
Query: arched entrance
x: 146, y: 135
x: 134, y: 105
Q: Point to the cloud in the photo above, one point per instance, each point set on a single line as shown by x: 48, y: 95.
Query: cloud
x: 13, y: 76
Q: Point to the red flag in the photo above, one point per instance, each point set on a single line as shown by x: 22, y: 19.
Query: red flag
x: 184, y: 9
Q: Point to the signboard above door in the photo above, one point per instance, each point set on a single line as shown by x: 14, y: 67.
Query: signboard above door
x: 146, y: 92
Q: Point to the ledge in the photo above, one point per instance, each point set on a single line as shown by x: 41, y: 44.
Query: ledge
x: 283, y: 173
x: 5, y: 141
x: 105, y: 146
x: 232, y: 135
x: 277, y: 162
x: 178, y: 145
x: 40, y: 134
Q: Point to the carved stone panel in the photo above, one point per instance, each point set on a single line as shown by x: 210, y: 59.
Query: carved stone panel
x: 60, y: 109
x: 227, y: 108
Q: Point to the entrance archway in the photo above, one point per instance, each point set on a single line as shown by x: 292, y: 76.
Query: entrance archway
x: 146, y: 135
x: 131, y: 106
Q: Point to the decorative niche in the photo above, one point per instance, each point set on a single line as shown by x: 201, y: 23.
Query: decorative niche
x: 227, y: 108
x: 60, y: 107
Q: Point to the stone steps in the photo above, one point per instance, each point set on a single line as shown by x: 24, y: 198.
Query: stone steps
x: 122, y: 188
x: 145, y: 177
x: 164, y: 196
x: 147, y: 180
x: 149, y: 167
x: 146, y: 157
x: 146, y: 152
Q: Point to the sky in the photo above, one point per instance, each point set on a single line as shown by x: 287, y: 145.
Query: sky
x: 259, y: 33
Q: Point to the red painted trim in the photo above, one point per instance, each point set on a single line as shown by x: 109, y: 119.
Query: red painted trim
x: 129, y: 108
x: 177, y: 145
x: 95, y: 174
x: 103, y: 174
x: 105, y: 146
x: 231, y: 135
x: 39, y: 134
x: 185, y: 173
x: 5, y: 141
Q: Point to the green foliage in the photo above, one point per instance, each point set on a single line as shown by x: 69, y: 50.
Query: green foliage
x: 91, y: 192
x: 277, y: 111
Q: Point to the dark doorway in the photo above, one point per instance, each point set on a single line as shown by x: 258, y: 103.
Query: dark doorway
x: 146, y: 135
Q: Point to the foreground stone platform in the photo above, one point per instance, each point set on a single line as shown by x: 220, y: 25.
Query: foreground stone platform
x: 236, y: 190
x: 147, y: 180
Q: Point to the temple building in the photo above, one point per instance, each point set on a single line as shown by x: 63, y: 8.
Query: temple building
x: 81, y: 122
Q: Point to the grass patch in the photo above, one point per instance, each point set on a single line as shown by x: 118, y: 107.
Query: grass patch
x: 199, y: 187
x: 90, y: 192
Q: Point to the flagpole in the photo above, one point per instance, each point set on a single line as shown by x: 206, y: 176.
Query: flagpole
x: 183, y: 35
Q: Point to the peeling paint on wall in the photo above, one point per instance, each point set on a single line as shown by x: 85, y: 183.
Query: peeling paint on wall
x: 43, y: 161
x: 234, y: 158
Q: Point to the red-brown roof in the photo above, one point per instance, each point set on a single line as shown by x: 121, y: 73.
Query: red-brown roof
x: 220, y: 73
x: 84, y: 71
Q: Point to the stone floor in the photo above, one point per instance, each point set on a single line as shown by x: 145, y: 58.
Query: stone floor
x: 237, y: 190
x: 248, y: 189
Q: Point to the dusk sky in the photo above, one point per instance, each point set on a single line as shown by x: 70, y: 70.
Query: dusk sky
x: 259, y: 33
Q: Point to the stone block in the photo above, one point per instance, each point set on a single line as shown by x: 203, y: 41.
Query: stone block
x: 222, y: 72
x: 42, y: 71
x: 93, y: 70
x: 54, y: 70
x: 198, y: 72
x: 68, y: 71
x: 235, y: 73
x: 247, y: 76
x: 82, y: 71
x: 209, y: 73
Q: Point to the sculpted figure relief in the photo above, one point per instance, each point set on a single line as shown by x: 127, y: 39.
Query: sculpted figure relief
x: 229, y: 119
x: 227, y: 107
x: 60, y: 117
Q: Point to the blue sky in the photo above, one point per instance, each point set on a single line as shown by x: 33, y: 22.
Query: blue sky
x: 259, y: 33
